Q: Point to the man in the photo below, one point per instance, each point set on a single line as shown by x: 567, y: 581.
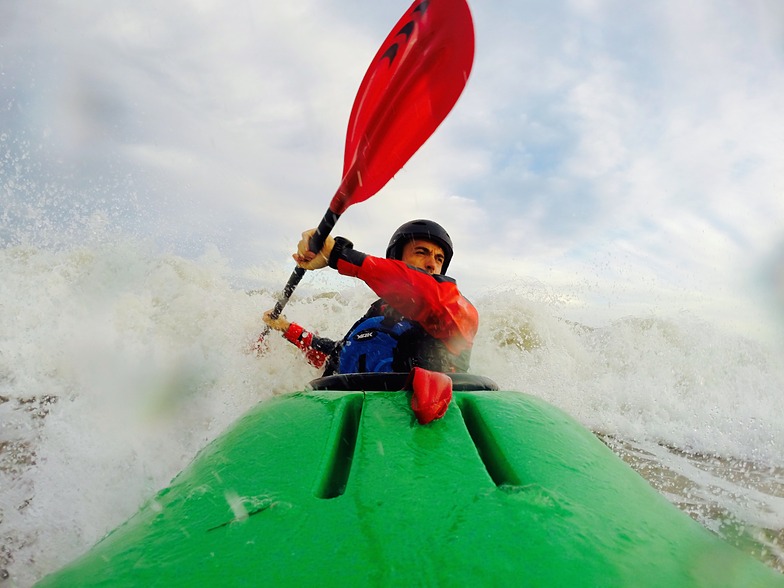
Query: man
x: 420, y: 320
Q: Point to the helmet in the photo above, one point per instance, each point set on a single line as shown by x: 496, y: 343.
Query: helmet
x: 420, y: 229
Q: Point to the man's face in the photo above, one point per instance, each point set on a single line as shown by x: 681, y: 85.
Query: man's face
x: 424, y: 255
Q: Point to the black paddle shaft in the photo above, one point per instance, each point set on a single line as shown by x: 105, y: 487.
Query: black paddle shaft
x: 316, y: 243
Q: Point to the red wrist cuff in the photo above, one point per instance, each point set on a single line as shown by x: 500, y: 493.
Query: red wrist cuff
x: 293, y: 333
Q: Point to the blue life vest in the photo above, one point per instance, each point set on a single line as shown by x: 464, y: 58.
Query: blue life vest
x: 371, y: 345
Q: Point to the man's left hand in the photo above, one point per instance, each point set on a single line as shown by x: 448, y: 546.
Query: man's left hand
x: 308, y: 260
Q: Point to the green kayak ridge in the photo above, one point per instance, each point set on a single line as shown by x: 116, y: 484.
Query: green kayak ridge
x: 339, y: 488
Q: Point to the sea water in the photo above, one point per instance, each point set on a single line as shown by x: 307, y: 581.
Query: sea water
x: 118, y: 363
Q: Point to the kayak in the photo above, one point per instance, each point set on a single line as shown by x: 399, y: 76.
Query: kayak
x: 343, y: 487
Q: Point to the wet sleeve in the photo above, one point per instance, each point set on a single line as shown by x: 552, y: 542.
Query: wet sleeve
x: 316, y: 349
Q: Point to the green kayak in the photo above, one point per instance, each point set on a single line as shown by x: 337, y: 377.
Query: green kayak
x: 346, y: 488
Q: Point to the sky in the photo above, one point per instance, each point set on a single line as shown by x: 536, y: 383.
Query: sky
x: 621, y: 158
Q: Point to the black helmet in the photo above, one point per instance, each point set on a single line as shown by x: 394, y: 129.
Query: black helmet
x: 420, y: 229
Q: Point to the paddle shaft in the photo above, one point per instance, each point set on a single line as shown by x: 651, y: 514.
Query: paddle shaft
x: 348, y: 187
x: 316, y: 243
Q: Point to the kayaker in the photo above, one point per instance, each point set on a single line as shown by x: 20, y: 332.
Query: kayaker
x: 420, y: 319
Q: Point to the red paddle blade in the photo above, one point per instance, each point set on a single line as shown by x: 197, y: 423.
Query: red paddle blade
x: 411, y: 85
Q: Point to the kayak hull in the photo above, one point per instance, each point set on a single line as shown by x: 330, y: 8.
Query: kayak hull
x: 346, y: 488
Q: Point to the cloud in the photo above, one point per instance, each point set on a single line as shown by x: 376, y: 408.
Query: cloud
x: 591, y: 135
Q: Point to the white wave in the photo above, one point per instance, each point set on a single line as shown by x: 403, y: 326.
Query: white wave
x: 118, y: 364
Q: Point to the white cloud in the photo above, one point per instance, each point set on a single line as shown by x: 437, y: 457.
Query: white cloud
x: 590, y: 134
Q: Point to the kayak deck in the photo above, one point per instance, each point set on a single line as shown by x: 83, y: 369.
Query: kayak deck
x: 346, y: 488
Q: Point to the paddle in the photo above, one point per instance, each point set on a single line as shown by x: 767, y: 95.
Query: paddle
x: 412, y: 83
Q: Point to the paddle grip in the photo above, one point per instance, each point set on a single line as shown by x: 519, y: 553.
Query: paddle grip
x: 323, y: 230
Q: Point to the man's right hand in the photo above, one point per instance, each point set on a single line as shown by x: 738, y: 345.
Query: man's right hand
x: 308, y: 260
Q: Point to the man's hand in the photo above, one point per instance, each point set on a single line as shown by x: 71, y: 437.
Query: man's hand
x: 308, y: 260
x: 279, y: 324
